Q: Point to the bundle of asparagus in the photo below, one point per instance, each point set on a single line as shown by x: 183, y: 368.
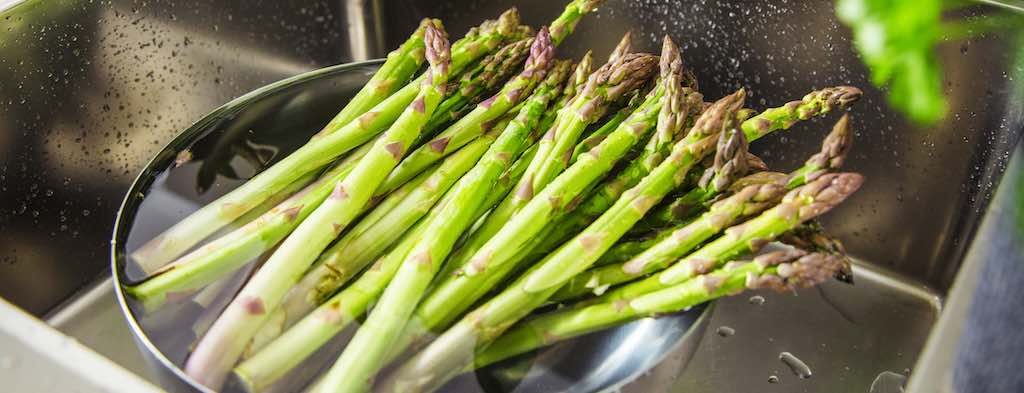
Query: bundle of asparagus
x: 443, y: 210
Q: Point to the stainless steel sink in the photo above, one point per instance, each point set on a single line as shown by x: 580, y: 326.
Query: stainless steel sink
x: 90, y: 90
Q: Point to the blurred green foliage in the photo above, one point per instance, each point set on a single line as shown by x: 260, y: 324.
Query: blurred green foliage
x: 897, y: 40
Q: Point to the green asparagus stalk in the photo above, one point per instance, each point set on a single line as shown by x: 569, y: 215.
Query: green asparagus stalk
x: 227, y: 253
x: 752, y: 199
x: 371, y: 237
x: 483, y: 115
x: 609, y: 82
x: 335, y: 140
x: 686, y: 103
x: 222, y: 346
x: 491, y: 223
x: 576, y: 82
x: 399, y: 67
x: 598, y: 135
x: 815, y: 103
x: 798, y: 206
x: 503, y: 187
x: 367, y: 352
x: 492, y: 71
x: 446, y: 356
x: 314, y: 330
x: 454, y: 294
x: 832, y: 155
x: 780, y: 270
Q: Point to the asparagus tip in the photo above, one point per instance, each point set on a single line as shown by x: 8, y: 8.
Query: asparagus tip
x: 837, y: 96
x: 438, y: 50
x: 825, y: 193
x: 541, y: 51
x: 796, y: 269
x: 671, y: 60
x: 624, y: 46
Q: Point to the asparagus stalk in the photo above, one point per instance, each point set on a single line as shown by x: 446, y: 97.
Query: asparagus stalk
x: 227, y: 253
x: 503, y: 187
x: 367, y: 352
x: 832, y: 155
x: 371, y: 237
x: 576, y: 82
x: 798, y: 206
x: 346, y: 258
x: 780, y: 270
x: 606, y: 85
x: 598, y: 135
x: 440, y: 360
x: 285, y: 352
x: 752, y: 199
x: 222, y: 346
x: 335, y: 140
x: 455, y: 293
x: 685, y: 103
x: 482, y: 116
x: 611, y: 81
x: 492, y: 71
x: 678, y: 242
x: 815, y: 103
x: 297, y: 343
x: 399, y: 67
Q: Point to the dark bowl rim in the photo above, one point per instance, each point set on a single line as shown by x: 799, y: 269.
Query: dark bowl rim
x: 130, y: 204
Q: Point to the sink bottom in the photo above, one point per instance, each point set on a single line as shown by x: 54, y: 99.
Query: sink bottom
x: 850, y: 337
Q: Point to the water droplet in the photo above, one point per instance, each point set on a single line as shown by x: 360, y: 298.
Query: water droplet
x: 725, y: 331
x: 888, y: 382
x: 756, y: 300
x: 773, y: 379
x: 796, y: 365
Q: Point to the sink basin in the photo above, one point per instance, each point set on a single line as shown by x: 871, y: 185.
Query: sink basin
x: 98, y: 88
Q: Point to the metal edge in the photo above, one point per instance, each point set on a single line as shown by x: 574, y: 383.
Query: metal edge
x: 145, y: 178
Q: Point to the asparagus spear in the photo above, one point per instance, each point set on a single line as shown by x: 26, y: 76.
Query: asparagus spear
x: 610, y: 81
x: 579, y: 77
x: 366, y: 353
x: 492, y: 71
x: 400, y: 65
x: 454, y: 293
x: 685, y: 103
x: 678, y: 242
x: 221, y: 347
x: 780, y: 270
x: 815, y: 103
x: 233, y: 250
x: 335, y: 140
x: 511, y: 202
x: 598, y: 135
x: 371, y: 237
x: 798, y: 206
x: 605, y: 86
x: 297, y: 343
x: 446, y: 356
x: 483, y: 115
x: 752, y: 199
